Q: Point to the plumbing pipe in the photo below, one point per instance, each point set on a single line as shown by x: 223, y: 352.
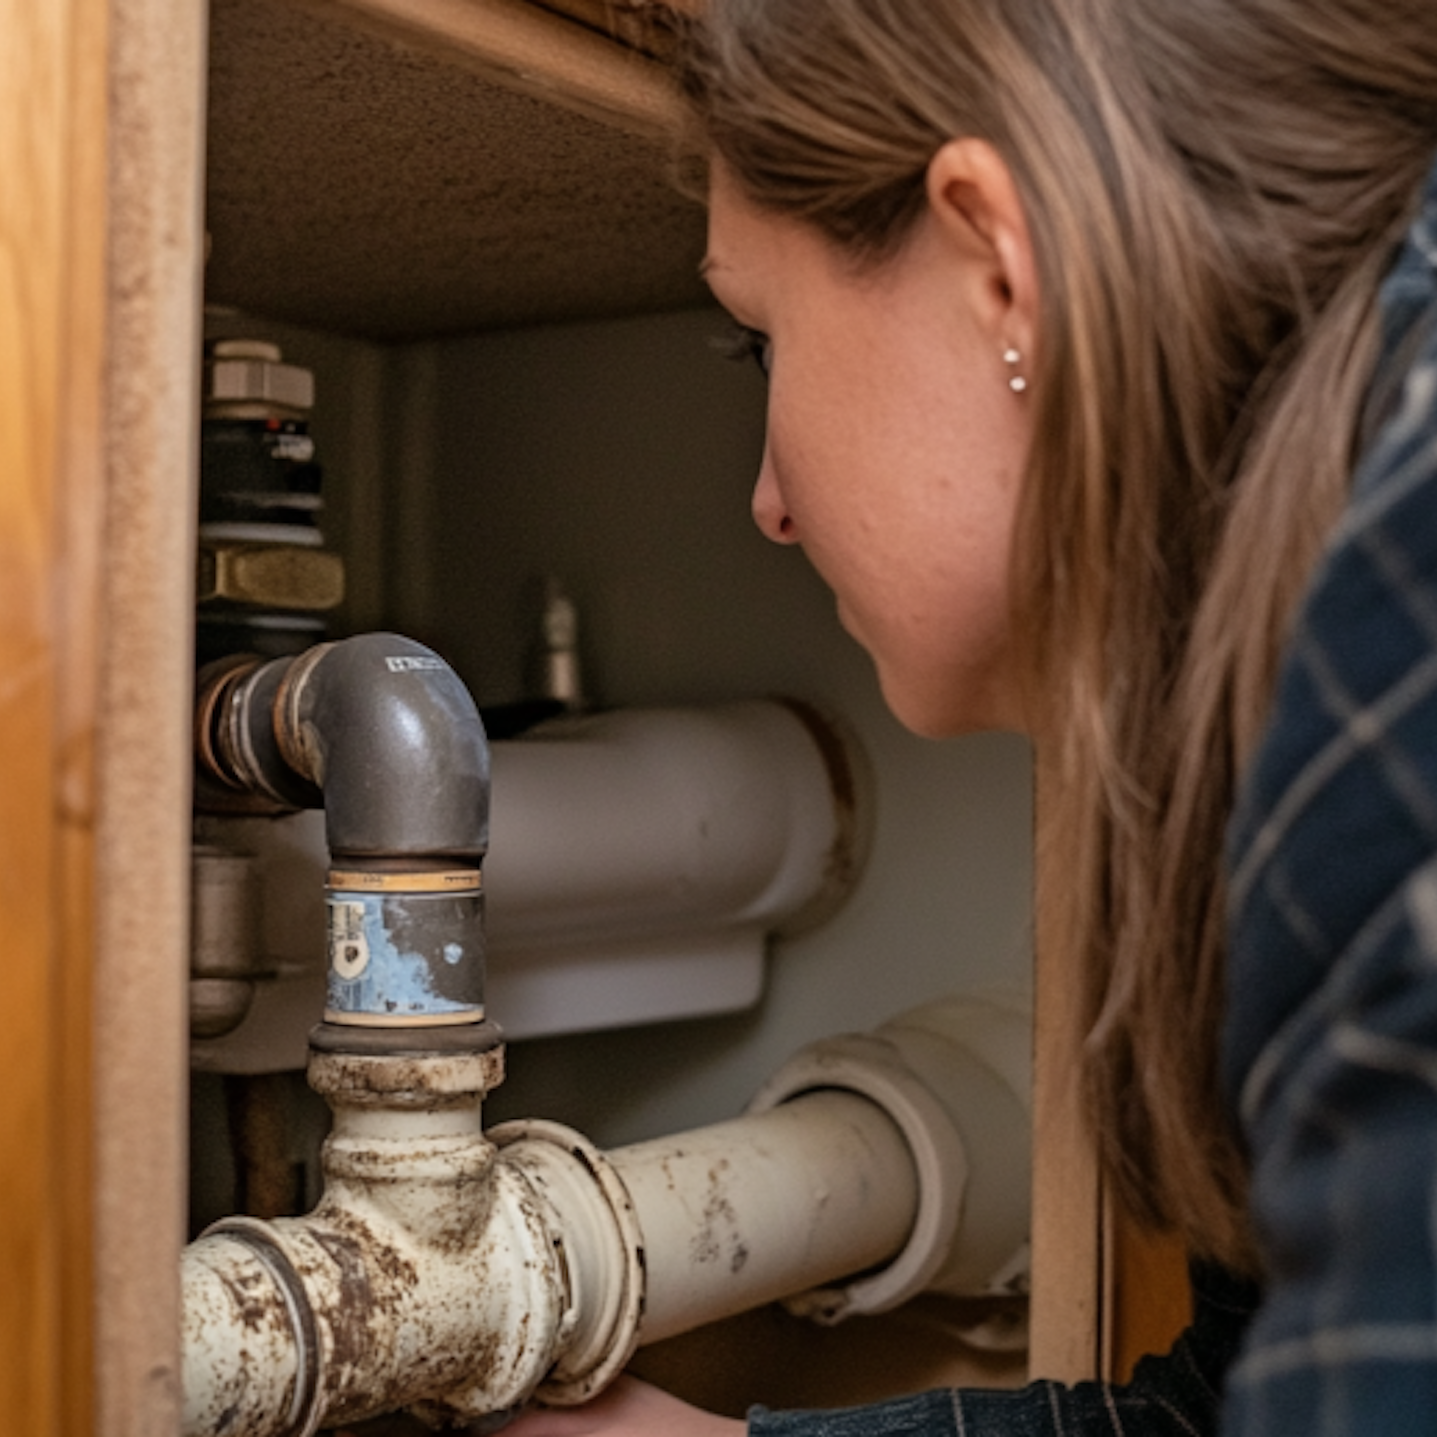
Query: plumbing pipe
x: 458, y: 1275
x: 225, y: 953
x: 381, y: 733
x: 647, y: 822
x: 640, y: 860
x: 758, y: 1208
x: 377, y: 730
x: 425, y: 1278
x: 955, y: 1074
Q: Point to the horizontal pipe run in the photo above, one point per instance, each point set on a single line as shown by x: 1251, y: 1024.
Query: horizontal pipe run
x: 639, y: 859
x: 748, y: 1211
x: 666, y: 821
x: 244, y: 1356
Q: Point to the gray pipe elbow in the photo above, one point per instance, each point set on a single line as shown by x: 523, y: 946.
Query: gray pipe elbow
x: 391, y: 736
x: 377, y: 730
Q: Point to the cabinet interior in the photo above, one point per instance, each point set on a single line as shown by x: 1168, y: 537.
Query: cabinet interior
x: 499, y: 295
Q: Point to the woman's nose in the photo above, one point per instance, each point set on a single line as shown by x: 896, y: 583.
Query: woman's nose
x: 769, y: 511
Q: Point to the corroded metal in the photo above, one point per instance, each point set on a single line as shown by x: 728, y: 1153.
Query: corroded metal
x: 748, y: 1211
x: 422, y: 1080
x: 376, y: 729
x: 244, y: 1353
x: 458, y: 1275
x: 426, y: 1278
x: 601, y: 1245
x: 226, y: 954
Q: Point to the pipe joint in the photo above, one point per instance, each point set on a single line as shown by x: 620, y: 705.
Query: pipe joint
x: 600, y: 1246
x: 381, y: 733
x: 427, y: 1278
x: 377, y: 730
x: 390, y: 734
x: 235, y: 744
x: 406, y: 950
x: 953, y: 1076
x: 457, y: 1274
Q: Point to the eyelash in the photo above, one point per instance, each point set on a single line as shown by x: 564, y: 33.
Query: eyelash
x: 741, y: 342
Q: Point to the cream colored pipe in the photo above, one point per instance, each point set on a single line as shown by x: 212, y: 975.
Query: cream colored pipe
x: 640, y: 823
x: 426, y: 1278
x: 442, y: 1274
x: 458, y: 1274
x: 766, y: 1206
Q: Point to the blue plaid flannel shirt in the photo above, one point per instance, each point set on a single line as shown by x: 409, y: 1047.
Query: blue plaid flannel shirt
x: 1330, y: 1048
x: 1331, y: 1042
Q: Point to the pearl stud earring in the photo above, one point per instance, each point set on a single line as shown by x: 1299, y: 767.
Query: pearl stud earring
x: 1012, y: 358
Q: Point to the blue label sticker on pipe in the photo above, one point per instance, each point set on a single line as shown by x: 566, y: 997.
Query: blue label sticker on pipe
x: 405, y: 957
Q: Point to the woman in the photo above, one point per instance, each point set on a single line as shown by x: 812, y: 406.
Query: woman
x: 1090, y: 401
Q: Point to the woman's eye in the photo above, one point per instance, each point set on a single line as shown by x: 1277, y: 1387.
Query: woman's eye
x: 743, y: 343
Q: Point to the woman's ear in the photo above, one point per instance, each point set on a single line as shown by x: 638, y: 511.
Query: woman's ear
x: 972, y: 196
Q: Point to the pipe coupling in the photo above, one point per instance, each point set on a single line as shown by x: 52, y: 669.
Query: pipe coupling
x: 428, y: 1278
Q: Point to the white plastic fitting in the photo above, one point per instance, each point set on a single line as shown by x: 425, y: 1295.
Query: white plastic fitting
x: 955, y: 1075
x: 662, y: 821
x: 640, y: 858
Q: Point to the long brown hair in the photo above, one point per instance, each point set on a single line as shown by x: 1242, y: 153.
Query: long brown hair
x: 1214, y: 192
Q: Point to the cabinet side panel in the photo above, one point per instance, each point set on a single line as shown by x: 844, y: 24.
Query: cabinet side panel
x: 1148, y: 1300
x: 156, y: 155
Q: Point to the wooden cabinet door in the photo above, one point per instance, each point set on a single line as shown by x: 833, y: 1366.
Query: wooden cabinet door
x: 100, y: 254
x: 52, y: 304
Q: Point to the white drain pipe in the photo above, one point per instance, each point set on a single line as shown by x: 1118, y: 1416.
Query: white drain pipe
x: 459, y: 1275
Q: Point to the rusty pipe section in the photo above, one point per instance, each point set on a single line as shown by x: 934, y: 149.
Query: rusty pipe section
x: 383, y: 735
x: 427, y: 1277
x: 745, y: 1212
x: 459, y: 1274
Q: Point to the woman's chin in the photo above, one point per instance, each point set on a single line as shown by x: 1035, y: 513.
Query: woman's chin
x: 934, y: 713
x: 916, y: 710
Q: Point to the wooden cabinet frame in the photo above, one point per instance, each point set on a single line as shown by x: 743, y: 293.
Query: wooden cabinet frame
x: 100, y: 126
x: 1105, y: 1292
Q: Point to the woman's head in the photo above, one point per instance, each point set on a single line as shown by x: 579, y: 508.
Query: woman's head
x: 897, y: 428
x: 1198, y: 182
x: 1210, y: 193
